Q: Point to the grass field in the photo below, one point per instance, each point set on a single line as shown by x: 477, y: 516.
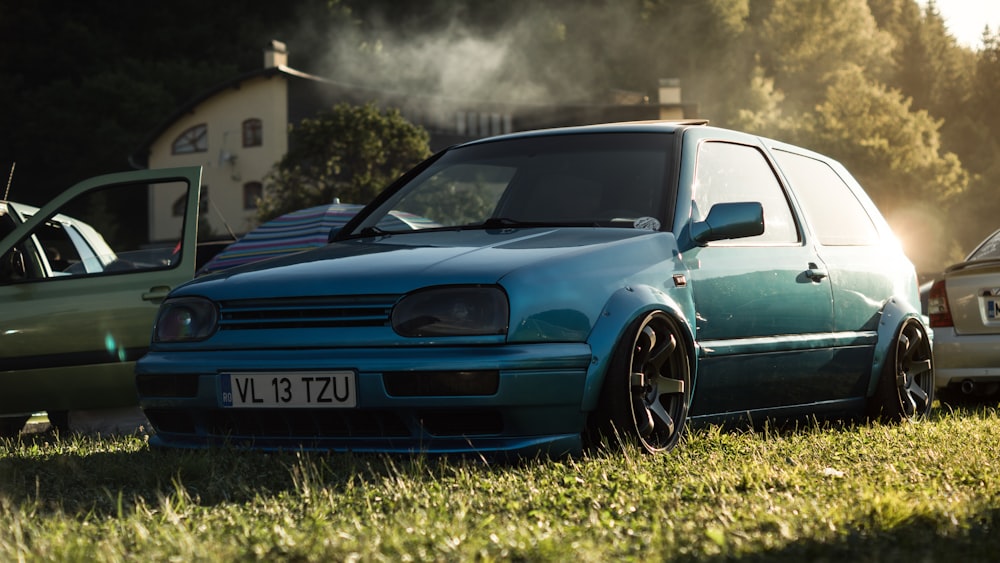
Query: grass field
x: 917, y: 492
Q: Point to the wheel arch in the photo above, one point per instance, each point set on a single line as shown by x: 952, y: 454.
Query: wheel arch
x: 621, y: 310
x: 895, y: 312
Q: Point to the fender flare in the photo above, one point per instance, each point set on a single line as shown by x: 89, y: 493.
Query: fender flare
x: 624, y: 306
x: 894, y: 313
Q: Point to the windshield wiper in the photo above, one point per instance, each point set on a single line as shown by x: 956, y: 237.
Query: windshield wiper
x: 373, y: 231
x: 508, y: 223
x: 504, y: 223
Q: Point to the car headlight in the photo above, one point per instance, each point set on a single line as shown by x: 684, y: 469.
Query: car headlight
x: 184, y: 319
x: 452, y: 311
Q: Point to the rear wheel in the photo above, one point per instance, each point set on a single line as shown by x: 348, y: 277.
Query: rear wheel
x: 906, y: 387
x: 647, y: 389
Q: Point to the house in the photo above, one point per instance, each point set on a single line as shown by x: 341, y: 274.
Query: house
x: 238, y: 130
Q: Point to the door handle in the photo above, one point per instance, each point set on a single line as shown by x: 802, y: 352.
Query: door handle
x: 156, y: 294
x: 815, y: 273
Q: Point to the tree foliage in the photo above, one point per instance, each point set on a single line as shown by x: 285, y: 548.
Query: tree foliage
x: 349, y: 153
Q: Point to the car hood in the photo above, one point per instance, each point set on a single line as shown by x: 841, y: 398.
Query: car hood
x: 396, y: 264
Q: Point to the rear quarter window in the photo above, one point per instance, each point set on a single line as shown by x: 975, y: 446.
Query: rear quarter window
x: 834, y: 212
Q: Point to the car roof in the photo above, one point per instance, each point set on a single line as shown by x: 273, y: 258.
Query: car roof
x: 652, y: 126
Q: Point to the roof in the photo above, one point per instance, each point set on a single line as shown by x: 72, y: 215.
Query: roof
x: 654, y: 125
x: 531, y: 116
x: 140, y: 157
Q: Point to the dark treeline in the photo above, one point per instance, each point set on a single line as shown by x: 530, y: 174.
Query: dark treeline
x: 879, y: 84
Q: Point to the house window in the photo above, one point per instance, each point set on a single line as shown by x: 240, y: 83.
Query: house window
x: 194, y: 139
x: 252, y: 191
x: 180, y: 204
x: 253, y: 133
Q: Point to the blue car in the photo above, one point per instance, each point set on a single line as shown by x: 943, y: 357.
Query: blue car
x: 608, y: 282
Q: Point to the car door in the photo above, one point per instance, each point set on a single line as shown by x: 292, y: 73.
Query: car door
x: 81, y: 283
x: 861, y: 254
x: 763, y: 304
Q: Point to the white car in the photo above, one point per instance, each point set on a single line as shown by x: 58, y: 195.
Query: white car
x: 60, y: 236
x: 964, y: 310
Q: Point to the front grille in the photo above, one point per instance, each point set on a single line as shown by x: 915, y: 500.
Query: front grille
x: 307, y: 312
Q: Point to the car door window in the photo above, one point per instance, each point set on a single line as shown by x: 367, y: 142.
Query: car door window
x: 97, y: 233
x: 728, y: 172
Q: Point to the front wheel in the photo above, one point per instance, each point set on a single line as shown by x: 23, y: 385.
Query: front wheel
x: 647, y: 389
x: 906, y: 387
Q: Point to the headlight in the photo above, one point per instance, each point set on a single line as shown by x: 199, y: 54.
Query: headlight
x: 184, y: 319
x: 452, y: 311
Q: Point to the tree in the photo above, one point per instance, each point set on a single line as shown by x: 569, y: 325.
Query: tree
x: 896, y: 153
x: 804, y: 43
x: 348, y: 153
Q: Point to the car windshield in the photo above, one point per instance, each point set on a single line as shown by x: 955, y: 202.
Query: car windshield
x: 594, y: 179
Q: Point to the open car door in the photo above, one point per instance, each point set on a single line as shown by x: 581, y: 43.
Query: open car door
x: 80, y: 283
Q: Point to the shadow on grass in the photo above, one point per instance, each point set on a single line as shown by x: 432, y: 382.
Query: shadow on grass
x: 78, y: 474
x: 784, y: 427
x: 104, y: 476
x: 81, y: 474
x: 919, y: 539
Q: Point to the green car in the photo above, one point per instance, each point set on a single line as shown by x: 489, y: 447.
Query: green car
x: 569, y: 286
x: 79, y: 290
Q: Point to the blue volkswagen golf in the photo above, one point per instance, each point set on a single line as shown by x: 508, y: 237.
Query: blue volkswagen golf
x: 571, y: 285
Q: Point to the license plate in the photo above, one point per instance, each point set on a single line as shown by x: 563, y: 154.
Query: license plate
x: 328, y: 389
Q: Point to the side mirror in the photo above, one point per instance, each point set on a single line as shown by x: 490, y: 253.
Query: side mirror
x: 729, y: 221
x: 333, y: 233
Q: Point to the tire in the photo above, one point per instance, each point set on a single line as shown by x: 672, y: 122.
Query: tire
x: 905, y: 389
x: 10, y: 426
x: 647, y: 389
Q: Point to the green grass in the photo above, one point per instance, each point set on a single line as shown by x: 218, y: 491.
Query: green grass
x: 927, y: 492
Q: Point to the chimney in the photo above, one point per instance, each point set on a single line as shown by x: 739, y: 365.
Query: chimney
x: 275, y: 54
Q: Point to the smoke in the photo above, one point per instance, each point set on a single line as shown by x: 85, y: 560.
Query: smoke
x: 454, y: 65
x: 541, y: 57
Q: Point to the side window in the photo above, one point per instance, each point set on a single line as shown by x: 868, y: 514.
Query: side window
x: 55, y: 240
x: 20, y: 262
x: 728, y: 173
x: 96, y: 233
x: 252, y: 192
x: 832, y: 209
x: 179, y: 206
x: 194, y: 139
x: 253, y: 133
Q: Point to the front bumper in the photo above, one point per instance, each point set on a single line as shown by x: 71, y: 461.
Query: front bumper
x: 533, y: 404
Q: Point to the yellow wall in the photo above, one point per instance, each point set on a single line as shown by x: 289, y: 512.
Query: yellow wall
x: 264, y: 98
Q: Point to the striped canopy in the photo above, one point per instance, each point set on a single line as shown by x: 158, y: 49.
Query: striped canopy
x: 293, y: 232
